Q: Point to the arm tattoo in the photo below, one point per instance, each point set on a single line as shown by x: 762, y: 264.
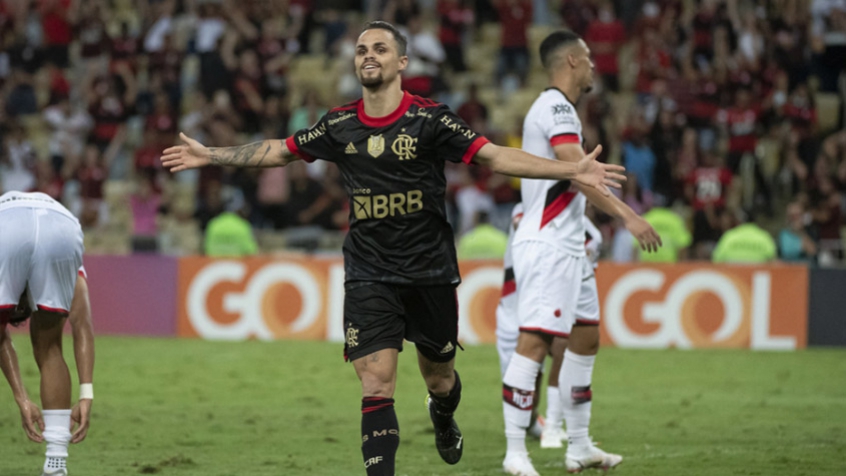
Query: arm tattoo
x: 263, y: 156
x: 239, y: 156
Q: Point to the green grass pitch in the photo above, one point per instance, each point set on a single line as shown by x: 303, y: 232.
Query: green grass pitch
x: 191, y: 408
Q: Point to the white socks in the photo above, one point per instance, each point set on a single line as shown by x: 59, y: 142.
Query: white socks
x: 57, y: 435
x: 574, y: 385
x: 553, y: 408
x: 518, y: 396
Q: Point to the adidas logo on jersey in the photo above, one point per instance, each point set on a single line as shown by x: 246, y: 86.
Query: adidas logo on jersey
x: 351, y: 149
x: 447, y: 348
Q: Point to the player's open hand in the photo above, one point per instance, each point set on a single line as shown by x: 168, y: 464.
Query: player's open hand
x: 33, y: 422
x: 646, y: 236
x: 190, y: 155
x: 80, y: 416
x: 598, y: 175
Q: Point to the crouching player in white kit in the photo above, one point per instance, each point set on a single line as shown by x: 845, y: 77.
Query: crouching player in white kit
x: 40, y: 261
x: 549, y: 429
x: 557, y: 294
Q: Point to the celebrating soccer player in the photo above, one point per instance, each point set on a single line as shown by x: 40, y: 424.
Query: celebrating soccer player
x: 41, y: 277
x: 400, y: 263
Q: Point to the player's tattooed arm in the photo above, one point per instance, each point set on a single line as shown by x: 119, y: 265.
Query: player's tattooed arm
x: 257, y: 154
x: 192, y: 154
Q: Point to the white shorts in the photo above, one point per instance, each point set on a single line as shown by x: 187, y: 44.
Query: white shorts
x: 42, y: 249
x: 556, y: 289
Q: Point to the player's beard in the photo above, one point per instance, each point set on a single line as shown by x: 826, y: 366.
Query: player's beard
x: 372, y: 82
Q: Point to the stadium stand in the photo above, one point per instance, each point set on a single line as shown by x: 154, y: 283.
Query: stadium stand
x: 126, y: 76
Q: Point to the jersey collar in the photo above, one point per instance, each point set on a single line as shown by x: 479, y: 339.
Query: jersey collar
x: 385, y: 120
x: 562, y: 93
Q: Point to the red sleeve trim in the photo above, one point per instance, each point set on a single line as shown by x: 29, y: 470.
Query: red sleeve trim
x: 474, y: 147
x: 292, y: 146
x: 568, y: 138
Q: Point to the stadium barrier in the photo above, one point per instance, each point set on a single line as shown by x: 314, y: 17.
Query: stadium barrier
x: 692, y: 305
x: 826, y: 323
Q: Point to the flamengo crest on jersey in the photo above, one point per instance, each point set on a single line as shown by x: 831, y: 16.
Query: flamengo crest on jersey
x: 553, y: 209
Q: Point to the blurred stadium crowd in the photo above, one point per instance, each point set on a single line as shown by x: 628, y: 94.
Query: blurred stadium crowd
x: 722, y: 111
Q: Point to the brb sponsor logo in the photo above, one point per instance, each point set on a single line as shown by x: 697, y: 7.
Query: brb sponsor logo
x: 258, y: 298
x: 381, y: 206
x: 691, y: 306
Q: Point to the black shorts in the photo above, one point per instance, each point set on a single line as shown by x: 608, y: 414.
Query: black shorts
x: 380, y: 315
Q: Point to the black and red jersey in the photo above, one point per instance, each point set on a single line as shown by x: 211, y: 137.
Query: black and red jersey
x: 393, y: 172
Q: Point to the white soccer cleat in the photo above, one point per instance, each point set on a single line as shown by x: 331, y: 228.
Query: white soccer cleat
x: 55, y: 472
x: 519, y: 464
x: 590, y: 457
x: 553, y: 438
x: 55, y: 467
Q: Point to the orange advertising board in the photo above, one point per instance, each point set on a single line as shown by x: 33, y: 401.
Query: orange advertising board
x: 703, y: 305
x: 262, y: 298
x: 647, y: 306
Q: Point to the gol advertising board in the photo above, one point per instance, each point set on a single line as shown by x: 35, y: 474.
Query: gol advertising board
x: 260, y: 298
x: 701, y: 306
x: 301, y: 298
x: 684, y: 306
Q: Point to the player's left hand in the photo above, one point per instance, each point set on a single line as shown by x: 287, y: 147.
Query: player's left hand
x: 80, y: 416
x: 32, y: 421
x: 597, y: 174
x: 644, y: 233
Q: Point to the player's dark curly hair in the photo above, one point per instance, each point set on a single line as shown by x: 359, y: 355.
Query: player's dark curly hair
x: 402, y: 42
x: 554, y: 41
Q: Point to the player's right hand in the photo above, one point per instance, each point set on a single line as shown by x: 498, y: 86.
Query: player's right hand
x: 191, y: 155
x: 33, y: 422
x: 80, y: 416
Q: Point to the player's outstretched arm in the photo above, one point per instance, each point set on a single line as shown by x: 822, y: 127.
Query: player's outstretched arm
x: 192, y: 155
x: 641, y: 229
x: 83, y: 350
x: 31, y: 418
x: 517, y: 163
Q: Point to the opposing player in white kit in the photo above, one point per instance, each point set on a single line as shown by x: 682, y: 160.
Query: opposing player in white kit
x: 508, y: 329
x: 40, y: 261
x: 556, y: 287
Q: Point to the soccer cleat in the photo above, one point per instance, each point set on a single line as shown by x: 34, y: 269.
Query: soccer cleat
x: 55, y: 467
x: 55, y: 472
x: 519, y: 464
x: 552, y: 438
x: 590, y: 457
x: 448, y: 437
